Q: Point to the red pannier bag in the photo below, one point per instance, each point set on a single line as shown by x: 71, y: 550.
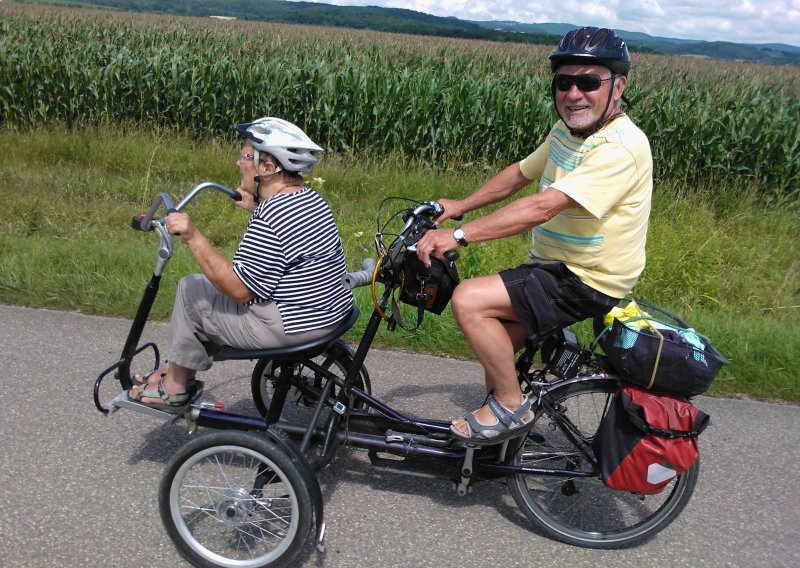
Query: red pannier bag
x: 647, y: 439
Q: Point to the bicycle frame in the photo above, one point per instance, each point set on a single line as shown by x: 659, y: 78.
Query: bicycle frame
x: 400, y: 434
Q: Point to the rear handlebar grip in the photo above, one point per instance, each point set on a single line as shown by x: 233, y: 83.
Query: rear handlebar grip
x: 236, y: 196
x: 361, y: 278
x: 451, y: 255
x: 439, y: 210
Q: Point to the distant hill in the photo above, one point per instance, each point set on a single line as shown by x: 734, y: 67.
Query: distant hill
x: 396, y: 20
x: 776, y: 53
x: 408, y: 21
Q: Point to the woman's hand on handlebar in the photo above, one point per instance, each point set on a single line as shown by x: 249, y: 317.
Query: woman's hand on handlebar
x: 247, y: 202
x: 181, y: 224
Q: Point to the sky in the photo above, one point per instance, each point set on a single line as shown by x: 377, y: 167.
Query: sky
x: 751, y: 21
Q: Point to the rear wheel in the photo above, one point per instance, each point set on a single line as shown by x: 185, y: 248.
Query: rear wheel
x: 235, y: 499
x: 306, y: 382
x: 582, y: 511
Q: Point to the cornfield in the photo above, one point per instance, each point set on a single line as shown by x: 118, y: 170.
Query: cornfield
x: 440, y: 101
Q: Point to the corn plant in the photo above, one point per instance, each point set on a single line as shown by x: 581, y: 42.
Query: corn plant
x: 444, y: 102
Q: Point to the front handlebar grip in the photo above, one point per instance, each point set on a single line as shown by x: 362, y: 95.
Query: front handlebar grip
x: 136, y: 222
x: 361, y: 278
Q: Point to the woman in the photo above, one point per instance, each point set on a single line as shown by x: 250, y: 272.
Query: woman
x: 283, y: 286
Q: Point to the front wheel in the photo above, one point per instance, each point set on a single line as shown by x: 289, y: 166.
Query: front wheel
x: 235, y: 499
x: 581, y: 510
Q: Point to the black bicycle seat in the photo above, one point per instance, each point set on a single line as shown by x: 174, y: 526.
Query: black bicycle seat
x: 291, y: 353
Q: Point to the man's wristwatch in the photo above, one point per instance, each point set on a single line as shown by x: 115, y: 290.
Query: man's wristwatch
x: 460, y: 237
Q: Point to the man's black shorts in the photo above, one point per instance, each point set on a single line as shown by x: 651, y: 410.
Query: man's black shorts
x: 548, y: 297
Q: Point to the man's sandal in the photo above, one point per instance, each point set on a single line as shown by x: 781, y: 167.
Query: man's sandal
x: 170, y: 402
x: 507, y: 426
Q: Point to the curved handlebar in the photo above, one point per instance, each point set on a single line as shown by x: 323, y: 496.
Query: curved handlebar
x: 144, y: 222
x: 361, y: 278
x: 419, y: 217
x: 423, y: 214
x: 235, y: 195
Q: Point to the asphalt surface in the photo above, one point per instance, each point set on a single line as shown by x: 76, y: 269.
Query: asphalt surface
x: 79, y: 489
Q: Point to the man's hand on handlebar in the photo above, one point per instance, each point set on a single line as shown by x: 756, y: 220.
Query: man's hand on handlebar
x: 452, y: 210
x: 435, y: 243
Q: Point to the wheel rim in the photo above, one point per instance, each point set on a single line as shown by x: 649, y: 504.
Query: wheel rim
x: 307, y: 386
x: 233, y: 506
x: 583, y: 510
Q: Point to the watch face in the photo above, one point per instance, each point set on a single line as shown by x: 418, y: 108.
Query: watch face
x: 458, y: 235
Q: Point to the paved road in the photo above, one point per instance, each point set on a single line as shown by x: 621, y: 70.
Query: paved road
x: 79, y: 489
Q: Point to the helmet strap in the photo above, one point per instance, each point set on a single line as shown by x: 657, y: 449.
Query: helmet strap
x: 258, y: 177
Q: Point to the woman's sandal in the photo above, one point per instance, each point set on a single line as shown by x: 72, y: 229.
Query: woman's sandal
x: 142, y: 380
x: 171, y: 402
x: 507, y: 426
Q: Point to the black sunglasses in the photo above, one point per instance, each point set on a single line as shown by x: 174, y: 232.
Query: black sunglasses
x: 587, y: 83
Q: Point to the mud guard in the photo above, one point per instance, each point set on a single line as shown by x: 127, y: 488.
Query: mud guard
x: 281, y: 439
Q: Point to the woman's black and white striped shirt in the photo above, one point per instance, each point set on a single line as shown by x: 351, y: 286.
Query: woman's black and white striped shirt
x: 291, y: 254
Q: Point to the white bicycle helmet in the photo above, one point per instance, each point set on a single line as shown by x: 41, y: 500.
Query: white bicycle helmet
x: 293, y: 149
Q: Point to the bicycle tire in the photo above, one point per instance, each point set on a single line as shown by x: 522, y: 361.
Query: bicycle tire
x: 306, y: 387
x: 235, y: 499
x: 582, y: 511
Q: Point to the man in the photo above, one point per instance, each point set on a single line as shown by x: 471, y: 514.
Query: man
x: 283, y: 286
x: 589, y: 223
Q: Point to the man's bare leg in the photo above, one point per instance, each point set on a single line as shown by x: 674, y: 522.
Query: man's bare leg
x: 483, y: 311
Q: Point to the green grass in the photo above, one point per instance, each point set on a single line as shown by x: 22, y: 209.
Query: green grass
x: 721, y: 257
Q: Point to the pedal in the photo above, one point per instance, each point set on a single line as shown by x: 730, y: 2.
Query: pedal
x: 392, y: 437
x: 417, y: 439
x: 122, y: 400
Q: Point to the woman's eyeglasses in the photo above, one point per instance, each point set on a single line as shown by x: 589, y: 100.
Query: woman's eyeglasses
x: 587, y: 83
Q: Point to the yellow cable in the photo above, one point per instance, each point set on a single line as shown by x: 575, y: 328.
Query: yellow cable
x: 374, y: 294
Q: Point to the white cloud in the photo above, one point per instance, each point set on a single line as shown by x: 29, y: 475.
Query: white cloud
x: 744, y: 21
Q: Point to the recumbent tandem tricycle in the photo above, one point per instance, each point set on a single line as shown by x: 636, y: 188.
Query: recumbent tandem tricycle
x: 247, y: 495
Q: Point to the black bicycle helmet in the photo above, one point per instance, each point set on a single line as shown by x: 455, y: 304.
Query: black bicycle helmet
x: 590, y: 44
